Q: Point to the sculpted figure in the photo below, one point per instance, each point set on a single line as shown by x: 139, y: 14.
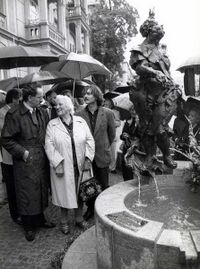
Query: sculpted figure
x: 155, y: 95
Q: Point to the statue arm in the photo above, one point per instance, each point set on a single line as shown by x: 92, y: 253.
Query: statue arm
x: 144, y: 69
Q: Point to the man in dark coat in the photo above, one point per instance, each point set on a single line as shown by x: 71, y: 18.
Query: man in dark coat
x: 23, y: 136
x: 102, y: 125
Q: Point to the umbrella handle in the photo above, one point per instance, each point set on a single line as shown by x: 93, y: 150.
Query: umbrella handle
x: 17, y: 75
x: 73, y: 91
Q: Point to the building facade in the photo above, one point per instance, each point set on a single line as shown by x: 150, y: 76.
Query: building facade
x: 59, y: 26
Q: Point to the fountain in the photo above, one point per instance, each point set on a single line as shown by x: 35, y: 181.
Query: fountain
x: 163, y: 234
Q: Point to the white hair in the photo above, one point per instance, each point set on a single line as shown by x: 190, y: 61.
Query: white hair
x: 67, y: 102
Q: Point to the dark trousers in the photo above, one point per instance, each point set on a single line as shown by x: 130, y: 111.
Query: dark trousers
x: 8, y: 177
x: 102, y: 175
x: 30, y: 222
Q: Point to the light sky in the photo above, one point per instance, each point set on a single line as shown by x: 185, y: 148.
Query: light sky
x: 181, y: 22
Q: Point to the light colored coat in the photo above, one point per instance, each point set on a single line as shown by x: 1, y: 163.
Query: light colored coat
x: 59, y: 148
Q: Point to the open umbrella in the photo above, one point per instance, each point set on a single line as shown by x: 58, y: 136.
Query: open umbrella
x: 23, y: 56
x: 110, y: 95
x: 78, y: 66
x: 123, y: 105
x: 39, y: 78
x: 2, y: 98
x: 192, y: 62
x: 5, y: 83
x: 68, y: 85
x: 123, y: 89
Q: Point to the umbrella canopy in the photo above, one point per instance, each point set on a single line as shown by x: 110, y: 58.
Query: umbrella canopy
x: 68, y: 85
x: 78, y: 66
x: 40, y: 78
x: 110, y: 95
x: 192, y: 62
x: 123, y: 89
x: 2, y: 98
x: 21, y: 56
x: 5, y: 83
x: 123, y: 105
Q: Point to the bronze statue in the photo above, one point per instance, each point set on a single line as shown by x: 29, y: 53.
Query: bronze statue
x: 155, y: 95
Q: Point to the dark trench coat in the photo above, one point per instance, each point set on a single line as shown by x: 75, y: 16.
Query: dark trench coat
x: 32, y: 177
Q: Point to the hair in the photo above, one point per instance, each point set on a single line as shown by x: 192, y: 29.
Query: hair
x: 14, y: 93
x: 67, y: 101
x: 95, y: 90
x: 149, y: 25
x: 29, y: 90
x: 49, y: 93
x: 112, y: 105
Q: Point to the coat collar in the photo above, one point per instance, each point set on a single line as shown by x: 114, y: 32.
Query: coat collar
x: 58, y: 123
x: 23, y: 109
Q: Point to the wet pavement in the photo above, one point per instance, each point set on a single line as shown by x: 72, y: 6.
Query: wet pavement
x: 17, y: 253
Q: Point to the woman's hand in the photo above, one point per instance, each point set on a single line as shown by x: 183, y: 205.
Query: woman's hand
x: 60, y: 170
x: 87, y: 164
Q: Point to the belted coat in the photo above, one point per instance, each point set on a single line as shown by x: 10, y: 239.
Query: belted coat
x: 20, y: 133
x: 58, y: 147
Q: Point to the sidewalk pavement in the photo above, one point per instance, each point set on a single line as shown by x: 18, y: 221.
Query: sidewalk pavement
x: 17, y: 253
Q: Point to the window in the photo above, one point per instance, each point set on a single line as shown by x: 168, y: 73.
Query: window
x: 53, y: 12
x: 34, y: 10
x: 2, y: 7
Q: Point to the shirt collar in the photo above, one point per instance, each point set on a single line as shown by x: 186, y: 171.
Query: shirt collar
x: 90, y: 111
x: 28, y: 107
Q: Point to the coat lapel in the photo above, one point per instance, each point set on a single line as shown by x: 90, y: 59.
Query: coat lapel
x: 86, y: 118
x: 58, y: 123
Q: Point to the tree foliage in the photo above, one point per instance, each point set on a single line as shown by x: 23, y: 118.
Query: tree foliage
x: 113, y: 23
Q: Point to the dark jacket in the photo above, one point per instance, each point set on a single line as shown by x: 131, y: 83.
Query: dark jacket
x: 19, y: 134
x: 104, y: 134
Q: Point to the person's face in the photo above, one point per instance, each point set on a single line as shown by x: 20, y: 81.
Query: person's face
x: 61, y: 107
x: 107, y: 103
x: 89, y: 97
x: 155, y: 34
x: 34, y: 101
x: 194, y: 117
x: 52, y: 98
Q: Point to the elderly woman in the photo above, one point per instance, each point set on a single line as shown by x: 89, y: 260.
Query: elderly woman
x: 70, y: 148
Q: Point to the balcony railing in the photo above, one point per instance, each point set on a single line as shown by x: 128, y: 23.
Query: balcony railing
x: 57, y: 37
x: 36, y: 30
x: 76, y: 11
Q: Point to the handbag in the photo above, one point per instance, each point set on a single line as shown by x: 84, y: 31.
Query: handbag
x: 89, y: 187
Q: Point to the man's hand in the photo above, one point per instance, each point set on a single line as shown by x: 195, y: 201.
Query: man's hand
x: 60, y: 170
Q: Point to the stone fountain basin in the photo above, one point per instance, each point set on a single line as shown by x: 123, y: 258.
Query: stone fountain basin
x: 130, y: 237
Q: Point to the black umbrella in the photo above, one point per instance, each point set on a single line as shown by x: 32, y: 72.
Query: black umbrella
x: 6, y: 83
x: 110, y: 95
x: 80, y: 85
x: 21, y: 56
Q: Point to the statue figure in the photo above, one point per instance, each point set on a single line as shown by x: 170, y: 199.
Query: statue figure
x: 155, y: 94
